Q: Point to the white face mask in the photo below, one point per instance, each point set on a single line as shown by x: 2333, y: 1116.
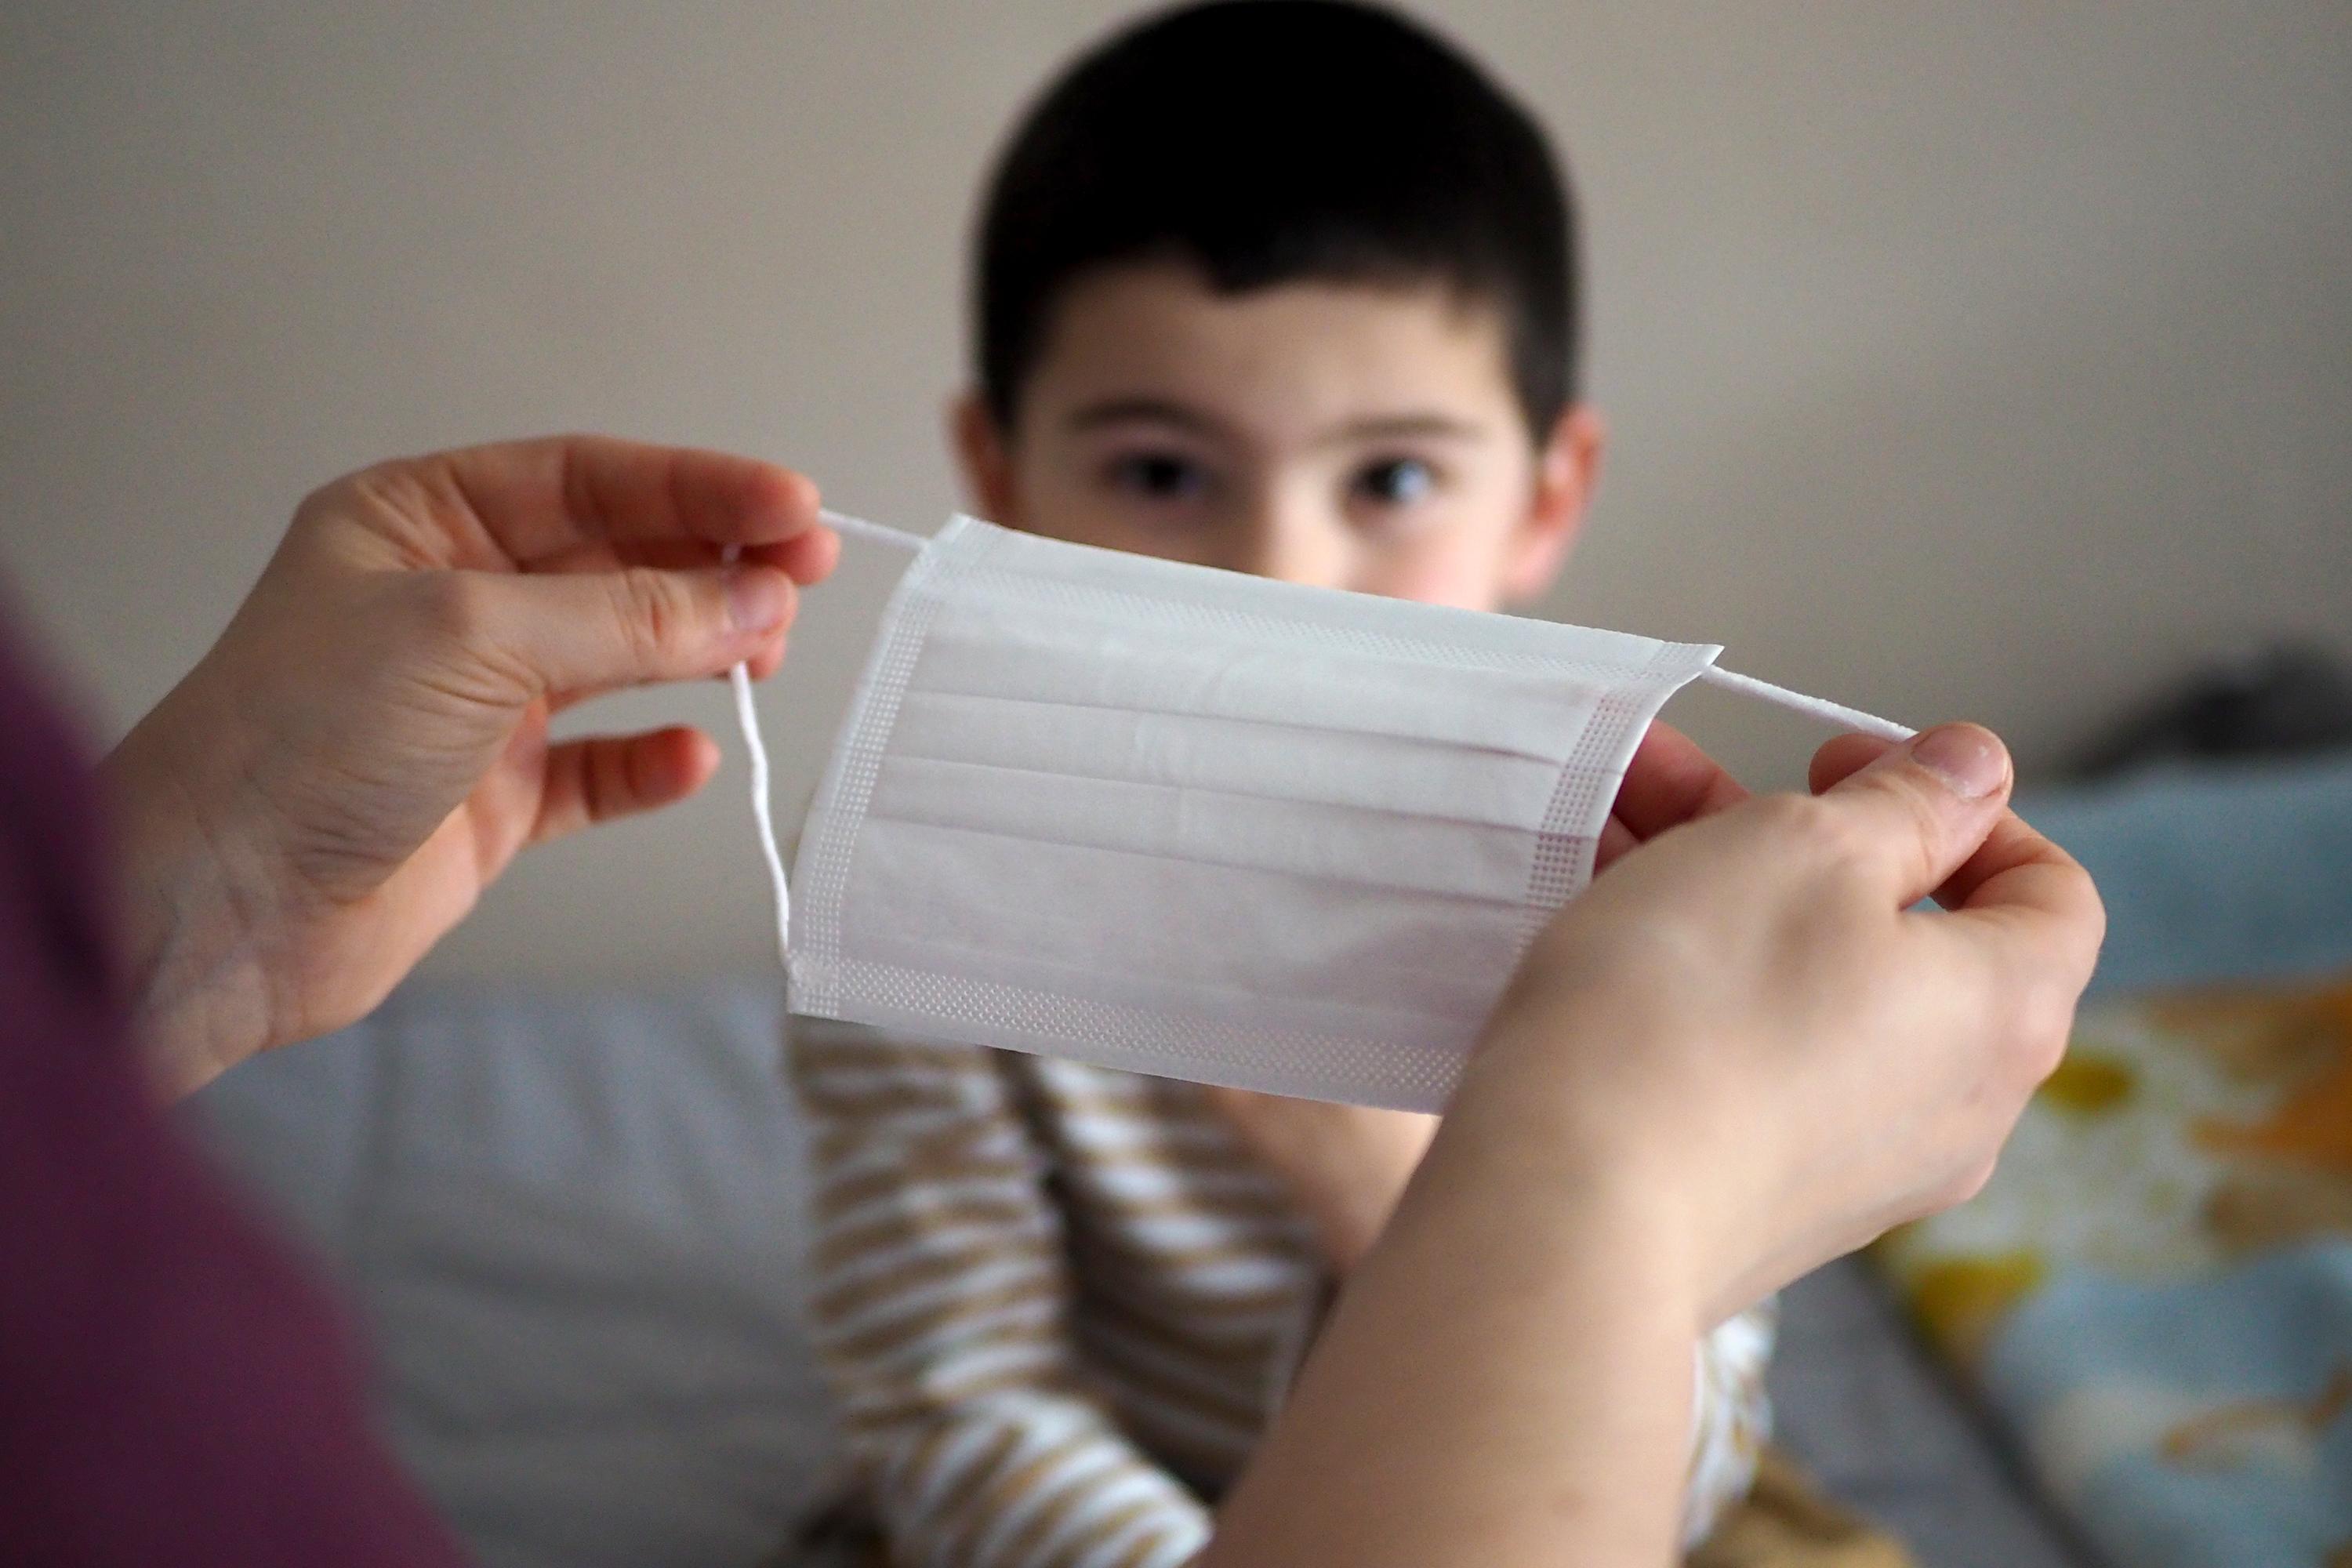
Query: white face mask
x: 1205, y: 825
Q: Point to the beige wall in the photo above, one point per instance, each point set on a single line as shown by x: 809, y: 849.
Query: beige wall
x: 1990, y: 358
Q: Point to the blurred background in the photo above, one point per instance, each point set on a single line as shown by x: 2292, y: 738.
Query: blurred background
x: 1992, y: 360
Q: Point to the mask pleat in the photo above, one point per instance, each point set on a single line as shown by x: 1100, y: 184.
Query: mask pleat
x: 1373, y: 850
x: 1178, y: 920
x: 1119, y: 667
x: 1222, y: 755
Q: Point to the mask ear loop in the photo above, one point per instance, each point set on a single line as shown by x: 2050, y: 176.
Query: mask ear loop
x: 747, y: 720
x: 1836, y: 714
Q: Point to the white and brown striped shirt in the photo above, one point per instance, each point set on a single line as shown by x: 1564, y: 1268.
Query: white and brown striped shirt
x: 1057, y: 1305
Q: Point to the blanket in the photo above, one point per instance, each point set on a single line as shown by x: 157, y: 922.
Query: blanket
x: 2153, y: 1293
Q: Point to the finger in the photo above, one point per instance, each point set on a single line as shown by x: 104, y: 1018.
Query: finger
x: 1921, y: 809
x: 1849, y: 755
x: 1617, y: 841
x: 762, y: 664
x: 607, y: 556
x: 606, y: 777
x: 768, y: 659
x: 537, y: 499
x: 2017, y: 868
x: 1843, y: 758
x: 2032, y: 920
x: 2044, y: 912
x: 808, y: 557
x: 1670, y: 782
x: 599, y: 632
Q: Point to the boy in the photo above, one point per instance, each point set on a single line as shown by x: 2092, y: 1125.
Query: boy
x: 1284, y: 287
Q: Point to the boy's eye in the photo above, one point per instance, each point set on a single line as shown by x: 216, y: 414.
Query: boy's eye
x: 1159, y: 476
x: 1397, y: 482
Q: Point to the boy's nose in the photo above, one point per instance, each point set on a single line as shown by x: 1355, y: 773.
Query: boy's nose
x: 1290, y: 538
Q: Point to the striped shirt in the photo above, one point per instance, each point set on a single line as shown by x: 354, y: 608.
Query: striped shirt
x: 1058, y: 1304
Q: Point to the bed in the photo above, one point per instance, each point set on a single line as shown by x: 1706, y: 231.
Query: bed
x: 569, y: 1222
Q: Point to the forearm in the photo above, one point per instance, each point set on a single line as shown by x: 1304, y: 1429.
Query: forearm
x: 1508, y: 1378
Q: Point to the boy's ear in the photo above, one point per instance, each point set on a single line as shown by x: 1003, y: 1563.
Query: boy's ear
x: 1567, y: 468
x: 985, y: 457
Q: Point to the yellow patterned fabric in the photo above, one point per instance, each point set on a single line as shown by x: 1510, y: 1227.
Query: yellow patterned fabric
x: 1783, y: 1522
x: 2155, y: 1290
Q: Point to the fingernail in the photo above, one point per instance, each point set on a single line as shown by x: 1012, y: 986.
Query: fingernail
x: 1968, y: 760
x: 758, y: 599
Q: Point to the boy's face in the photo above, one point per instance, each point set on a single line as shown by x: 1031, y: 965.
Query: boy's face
x: 1346, y: 435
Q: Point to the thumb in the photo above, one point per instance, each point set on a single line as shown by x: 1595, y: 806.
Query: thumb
x: 597, y: 631
x: 1926, y: 806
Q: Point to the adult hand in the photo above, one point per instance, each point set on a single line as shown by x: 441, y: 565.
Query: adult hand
x: 1345, y: 1166
x: 366, y: 747
x: 1738, y: 1055
x: 1803, y: 1058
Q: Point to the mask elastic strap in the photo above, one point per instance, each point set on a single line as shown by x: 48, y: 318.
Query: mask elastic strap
x: 880, y: 533
x: 746, y: 719
x: 1836, y: 714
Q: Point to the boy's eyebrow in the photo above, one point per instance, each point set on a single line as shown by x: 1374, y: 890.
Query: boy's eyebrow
x: 1391, y: 426
x: 1119, y: 410
x: 1372, y: 427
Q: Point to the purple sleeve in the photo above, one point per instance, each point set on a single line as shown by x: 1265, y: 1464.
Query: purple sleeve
x: 173, y: 1388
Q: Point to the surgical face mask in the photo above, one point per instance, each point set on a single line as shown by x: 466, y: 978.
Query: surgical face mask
x: 1205, y: 826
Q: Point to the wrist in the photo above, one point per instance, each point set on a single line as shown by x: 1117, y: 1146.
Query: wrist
x: 1512, y: 1366
x: 1568, y: 1123
x: 191, y: 907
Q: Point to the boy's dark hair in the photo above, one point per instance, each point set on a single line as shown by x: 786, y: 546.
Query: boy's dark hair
x: 1274, y: 140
